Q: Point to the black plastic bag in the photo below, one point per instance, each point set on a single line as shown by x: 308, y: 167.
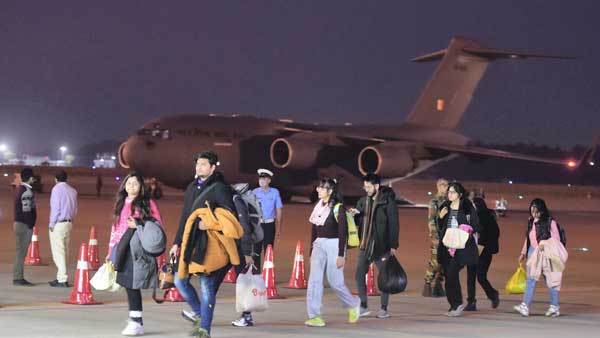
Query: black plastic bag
x: 392, y: 278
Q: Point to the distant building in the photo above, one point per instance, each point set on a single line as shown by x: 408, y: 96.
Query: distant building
x: 105, y: 160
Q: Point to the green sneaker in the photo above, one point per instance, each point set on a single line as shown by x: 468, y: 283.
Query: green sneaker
x: 315, y: 322
x: 353, y: 314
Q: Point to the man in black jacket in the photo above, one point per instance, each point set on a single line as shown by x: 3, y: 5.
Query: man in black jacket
x: 377, y: 219
x: 209, y: 185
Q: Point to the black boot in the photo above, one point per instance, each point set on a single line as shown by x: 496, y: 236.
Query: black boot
x: 438, y: 290
x: 427, y: 290
x: 471, y: 306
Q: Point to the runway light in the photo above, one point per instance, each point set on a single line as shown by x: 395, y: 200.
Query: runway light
x: 113, y: 158
x: 5, y: 175
x: 520, y: 197
x: 117, y: 178
x: 592, y: 164
x: 510, y: 182
x: 93, y: 167
x: 571, y: 164
x: 429, y: 193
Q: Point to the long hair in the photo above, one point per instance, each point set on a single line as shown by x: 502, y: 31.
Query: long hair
x: 141, y: 203
x: 336, y: 195
x: 540, y: 205
x: 480, y: 204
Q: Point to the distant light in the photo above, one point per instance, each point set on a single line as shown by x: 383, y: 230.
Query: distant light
x: 212, y: 115
x: 117, y: 178
x: 5, y: 175
x: 113, y: 158
x: 510, y: 182
x: 584, y: 249
x: 571, y: 164
x: 347, y: 124
x: 63, y: 148
x: 514, y: 56
x: 569, y: 185
x: 429, y: 193
x: 3, y: 147
x: 101, y: 160
x: 592, y: 163
x: 286, y: 120
x: 93, y: 167
x: 520, y: 197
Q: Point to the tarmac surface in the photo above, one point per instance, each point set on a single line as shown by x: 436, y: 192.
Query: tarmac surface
x: 37, y: 311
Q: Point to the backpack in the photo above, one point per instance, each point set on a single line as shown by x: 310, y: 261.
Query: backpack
x: 244, y: 195
x: 153, y: 237
x: 353, y: 240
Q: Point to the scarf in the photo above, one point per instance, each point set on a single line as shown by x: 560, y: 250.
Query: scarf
x: 320, y: 213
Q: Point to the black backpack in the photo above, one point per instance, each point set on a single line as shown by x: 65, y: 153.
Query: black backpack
x: 243, y: 195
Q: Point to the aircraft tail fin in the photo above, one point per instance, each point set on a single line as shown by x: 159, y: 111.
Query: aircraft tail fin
x: 449, y: 91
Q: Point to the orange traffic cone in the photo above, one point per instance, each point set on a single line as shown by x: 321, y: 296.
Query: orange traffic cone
x: 33, y: 252
x: 93, y: 250
x: 370, y: 279
x: 173, y: 295
x: 268, y: 274
x: 231, y: 276
x: 298, y: 280
x: 82, y: 293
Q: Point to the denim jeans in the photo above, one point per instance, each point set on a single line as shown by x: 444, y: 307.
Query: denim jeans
x: 209, y: 286
x: 530, y: 287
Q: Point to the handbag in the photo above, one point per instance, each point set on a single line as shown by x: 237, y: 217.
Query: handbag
x: 166, y: 278
x: 455, y: 238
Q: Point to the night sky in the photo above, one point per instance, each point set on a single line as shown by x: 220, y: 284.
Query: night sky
x: 77, y: 72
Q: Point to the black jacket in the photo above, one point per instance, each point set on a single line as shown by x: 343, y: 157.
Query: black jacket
x: 469, y: 255
x: 489, y: 231
x: 385, y: 229
x: 219, y: 196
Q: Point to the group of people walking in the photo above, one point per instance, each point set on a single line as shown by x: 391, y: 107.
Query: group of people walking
x: 463, y: 232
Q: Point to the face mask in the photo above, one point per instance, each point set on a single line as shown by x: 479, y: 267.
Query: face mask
x: 262, y: 183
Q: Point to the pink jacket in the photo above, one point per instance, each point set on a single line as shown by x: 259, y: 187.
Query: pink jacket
x: 118, y: 229
x: 533, y: 236
x: 550, y: 262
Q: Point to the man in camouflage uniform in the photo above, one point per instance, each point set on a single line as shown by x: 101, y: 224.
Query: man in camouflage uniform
x: 434, y: 276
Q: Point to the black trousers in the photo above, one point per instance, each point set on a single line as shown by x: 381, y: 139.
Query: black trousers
x: 480, y: 271
x: 453, y: 290
x: 134, y: 298
x: 362, y: 267
x: 269, y: 238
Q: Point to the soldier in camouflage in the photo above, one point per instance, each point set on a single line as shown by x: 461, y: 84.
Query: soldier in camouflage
x: 434, y: 275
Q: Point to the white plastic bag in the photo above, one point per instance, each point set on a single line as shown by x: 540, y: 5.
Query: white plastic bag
x: 250, y: 293
x: 105, y: 279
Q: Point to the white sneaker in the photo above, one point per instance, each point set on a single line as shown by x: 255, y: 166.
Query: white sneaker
x: 553, y: 311
x: 364, y: 312
x: 133, y: 329
x: 382, y: 314
x: 522, y: 309
x: 456, y: 312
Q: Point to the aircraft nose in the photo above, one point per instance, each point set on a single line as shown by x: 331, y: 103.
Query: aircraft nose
x: 123, y: 155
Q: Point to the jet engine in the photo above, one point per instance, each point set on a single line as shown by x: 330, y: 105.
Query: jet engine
x: 390, y: 159
x: 296, y: 152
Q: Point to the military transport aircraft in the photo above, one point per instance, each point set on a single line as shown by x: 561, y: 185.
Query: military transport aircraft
x: 299, y: 153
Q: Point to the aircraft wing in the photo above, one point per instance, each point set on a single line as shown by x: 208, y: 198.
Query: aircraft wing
x: 473, y: 150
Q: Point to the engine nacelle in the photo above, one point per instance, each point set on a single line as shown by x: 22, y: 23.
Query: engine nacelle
x: 391, y: 159
x: 297, y: 152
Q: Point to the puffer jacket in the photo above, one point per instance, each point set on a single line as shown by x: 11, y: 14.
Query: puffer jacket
x: 204, y: 251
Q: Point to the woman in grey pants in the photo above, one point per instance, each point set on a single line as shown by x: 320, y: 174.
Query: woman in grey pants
x: 328, y: 251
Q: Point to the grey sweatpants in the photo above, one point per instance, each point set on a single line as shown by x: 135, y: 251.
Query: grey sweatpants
x: 322, y: 261
x: 23, y: 238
